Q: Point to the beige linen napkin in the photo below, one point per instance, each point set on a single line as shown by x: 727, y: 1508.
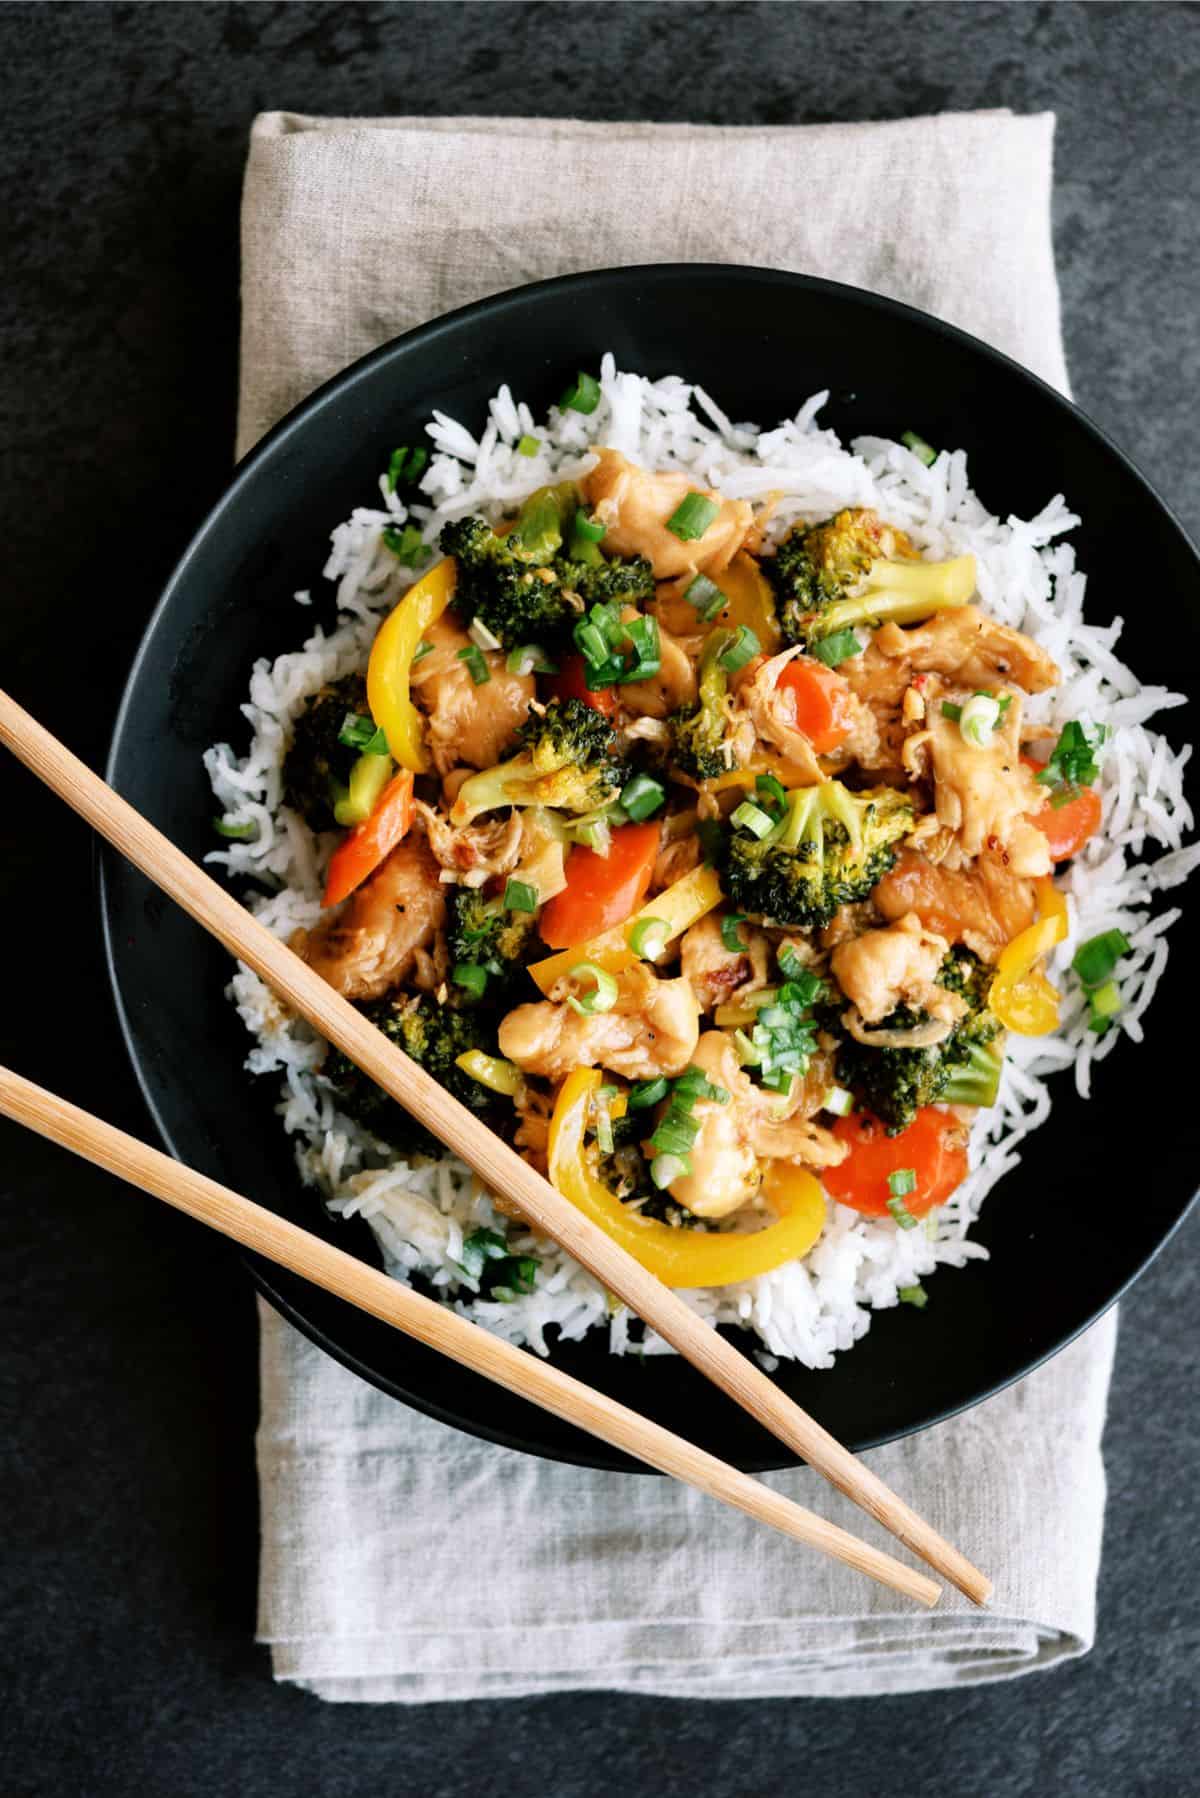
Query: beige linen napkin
x: 400, y: 1559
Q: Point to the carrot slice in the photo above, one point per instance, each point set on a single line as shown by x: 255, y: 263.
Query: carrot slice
x: 371, y: 842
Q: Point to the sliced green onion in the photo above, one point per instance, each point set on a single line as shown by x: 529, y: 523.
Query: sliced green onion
x: 838, y: 647
x: 405, y: 467
x: 492, y: 1071
x: 594, y: 834
x: 706, y: 596
x: 791, y: 964
x: 838, y: 1102
x: 1104, y: 1004
x: 517, y: 1275
x: 363, y: 734
x: 913, y: 1295
x: 924, y: 452
x: 471, y: 976
x: 771, y: 791
x: 779, y: 1080
x: 648, y: 938
x: 477, y: 667
x: 902, y: 1214
x: 676, y: 1131
x: 730, y: 935
x: 752, y: 818
x: 528, y: 446
x: 646, y: 1093
x: 978, y: 720
x: 582, y: 396
x: 368, y: 777
x: 236, y: 833
x: 666, y: 1169
x: 642, y: 797
x: 742, y: 648
x: 692, y: 516
x: 647, y: 650
x: 529, y: 658
x: 604, y: 1129
x: 1095, y: 960
x: 748, y: 1055
x: 480, y: 1247
x: 603, y: 995
x: 407, y: 545
x: 590, y: 529
x: 519, y: 896
x: 591, y: 643
x: 902, y: 1182
x: 481, y: 636
x: 423, y: 649
x: 953, y: 712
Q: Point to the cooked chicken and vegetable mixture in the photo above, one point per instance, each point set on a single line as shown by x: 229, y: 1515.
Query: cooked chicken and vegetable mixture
x: 702, y: 844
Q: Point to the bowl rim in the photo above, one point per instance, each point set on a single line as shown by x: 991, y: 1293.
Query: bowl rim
x: 277, y: 1285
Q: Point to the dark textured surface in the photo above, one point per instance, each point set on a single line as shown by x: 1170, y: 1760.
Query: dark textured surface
x: 129, y: 1343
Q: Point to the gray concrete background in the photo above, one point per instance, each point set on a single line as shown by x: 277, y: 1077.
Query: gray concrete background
x: 128, y: 1374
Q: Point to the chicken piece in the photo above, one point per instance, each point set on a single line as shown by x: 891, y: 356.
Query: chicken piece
x: 847, y: 922
x: 753, y: 1125
x: 665, y: 692
x: 679, y: 852
x: 983, y: 795
x: 531, y: 1138
x: 715, y: 972
x: 635, y: 505
x: 984, y: 905
x: 773, y: 721
x: 478, y: 850
x: 467, y: 723
x: 651, y: 1030
x: 725, y: 1172
x: 896, y: 966
x: 967, y: 646
x: 390, y: 927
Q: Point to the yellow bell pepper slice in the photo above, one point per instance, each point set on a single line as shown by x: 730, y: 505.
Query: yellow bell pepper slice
x: 1021, y: 996
x: 679, y: 907
x: 751, y: 601
x: 788, y: 772
x: 391, y: 661
x: 492, y: 1071
x: 679, y: 1257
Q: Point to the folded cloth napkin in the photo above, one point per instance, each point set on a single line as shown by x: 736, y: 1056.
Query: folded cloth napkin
x: 373, y: 1585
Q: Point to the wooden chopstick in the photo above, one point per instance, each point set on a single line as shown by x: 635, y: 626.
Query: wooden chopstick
x: 440, y: 1328
x: 498, y: 1166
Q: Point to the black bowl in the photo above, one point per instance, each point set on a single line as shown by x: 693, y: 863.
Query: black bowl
x: 1092, y: 1200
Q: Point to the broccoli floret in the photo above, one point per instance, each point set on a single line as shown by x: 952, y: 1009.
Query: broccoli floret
x: 698, y: 733
x: 317, y: 766
x: 834, y: 576
x: 435, y: 1036
x: 962, y: 1069
x: 525, y: 586
x: 829, y: 848
x: 564, y: 758
x: 481, y: 931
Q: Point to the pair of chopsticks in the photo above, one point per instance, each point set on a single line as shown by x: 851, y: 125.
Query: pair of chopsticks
x: 503, y: 1171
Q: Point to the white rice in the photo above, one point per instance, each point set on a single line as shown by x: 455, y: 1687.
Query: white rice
x: 420, y: 1213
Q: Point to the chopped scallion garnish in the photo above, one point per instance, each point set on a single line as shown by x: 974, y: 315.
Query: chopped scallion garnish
x: 748, y: 1055
x: 362, y: 734
x: 407, y: 545
x: 692, y: 516
x: 646, y: 1093
x: 530, y: 658
x: 902, y: 1182
x: 772, y: 792
x: 791, y: 964
x: 642, y: 797
x: 924, y: 452
x: 602, y: 995
x: 528, y: 446
x: 236, y: 833
x: 666, y: 1169
x: 582, y: 396
x: 406, y: 467
x: 978, y: 720
x: 742, y: 648
x: 423, y: 649
x: 1103, y: 1006
x: 706, y: 596
x: 481, y: 636
x: 901, y: 1213
x: 476, y: 665
x: 731, y: 936
x: 648, y: 938
x: 951, y: 711
x: 519, y: 896
x: 752, y: 818
x: 913, y: 1295
x: 589, y: 528
x: 838, y: 1102
x: 1095, y: 960
x: 471, y: 976
x: 838, y: 647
